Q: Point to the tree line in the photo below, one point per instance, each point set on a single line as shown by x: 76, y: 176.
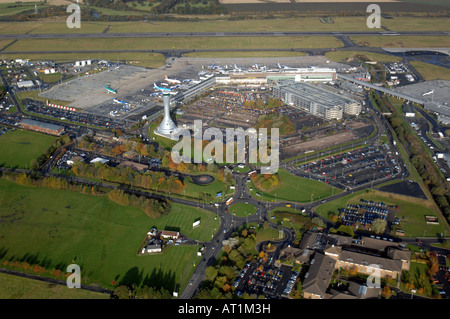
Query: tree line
x: 421, y: 160
x: 158, y: 181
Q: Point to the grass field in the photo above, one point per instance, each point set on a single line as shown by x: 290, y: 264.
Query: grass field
x: 431, y: 71
x: 242, y: 209
x: 263, y: 25
x: 416, y: 24
x: 7, y: 9
x: 4, y: 43
x: 225, y: 25
x: 102, y: 237
x: 19, y: 147
x: 296, y: 189
x: 243, y: 54
x: 197, y: 43
x: 197, y: 191
x: 414, y: 210
x: 343, y: 56
x: 15, y: 287
x: 184, y: 216
x: 403, y: 41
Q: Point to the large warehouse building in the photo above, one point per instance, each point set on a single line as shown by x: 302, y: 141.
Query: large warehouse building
x: 316, y: 100
x: 42, y: 127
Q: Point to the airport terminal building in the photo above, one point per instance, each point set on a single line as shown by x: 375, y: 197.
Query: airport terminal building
x: 316, y: 100
x: 311, y: 74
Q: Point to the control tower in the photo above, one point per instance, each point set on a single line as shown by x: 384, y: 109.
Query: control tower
x: 167, y: 126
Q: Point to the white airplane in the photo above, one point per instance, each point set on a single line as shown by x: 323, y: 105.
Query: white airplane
x: 429, y: 92
x: 173, y: 81
x: 164, y: 89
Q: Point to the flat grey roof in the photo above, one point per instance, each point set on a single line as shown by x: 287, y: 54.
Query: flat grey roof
x: 316, y: 94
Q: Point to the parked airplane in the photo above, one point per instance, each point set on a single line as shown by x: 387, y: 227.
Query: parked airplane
x: 429, y: 92
x: 110, y: 90
x: 119, y: 101
x: 173, y: 81
x: 164, y: 89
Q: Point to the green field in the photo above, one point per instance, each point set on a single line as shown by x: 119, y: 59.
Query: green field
x: 225, y: 25
x: 403, y: 41
x: 198, y: 191
x: 242, y: 209
x: 15, y: 8
x: 15, y: 287
x: 414, y: 210
x: 188, y: 43
x: 183, y: 217
x: 58, y: 227
x: 296, y: 189
x: 4, y: 43
x: 430, y: 71
x: 343, y: 56
x: 19, y: 147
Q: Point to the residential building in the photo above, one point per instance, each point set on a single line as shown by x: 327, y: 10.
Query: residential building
x: 170, y: 234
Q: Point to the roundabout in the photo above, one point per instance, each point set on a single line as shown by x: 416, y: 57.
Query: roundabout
x: 202, y: 179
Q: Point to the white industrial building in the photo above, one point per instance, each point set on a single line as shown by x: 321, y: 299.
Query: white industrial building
x: 25, y: 84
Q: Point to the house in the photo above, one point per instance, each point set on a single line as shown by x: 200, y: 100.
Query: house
x: 156, y: 248
x: 170, y: 234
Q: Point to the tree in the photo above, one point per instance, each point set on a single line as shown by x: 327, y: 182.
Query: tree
x: 346, y: 230
x: 386, y: 292
x: 211, y: 273
x: 379, y: 226
x: 122, y: 292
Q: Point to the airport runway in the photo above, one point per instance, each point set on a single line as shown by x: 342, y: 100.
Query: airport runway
x: 217, y: 34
